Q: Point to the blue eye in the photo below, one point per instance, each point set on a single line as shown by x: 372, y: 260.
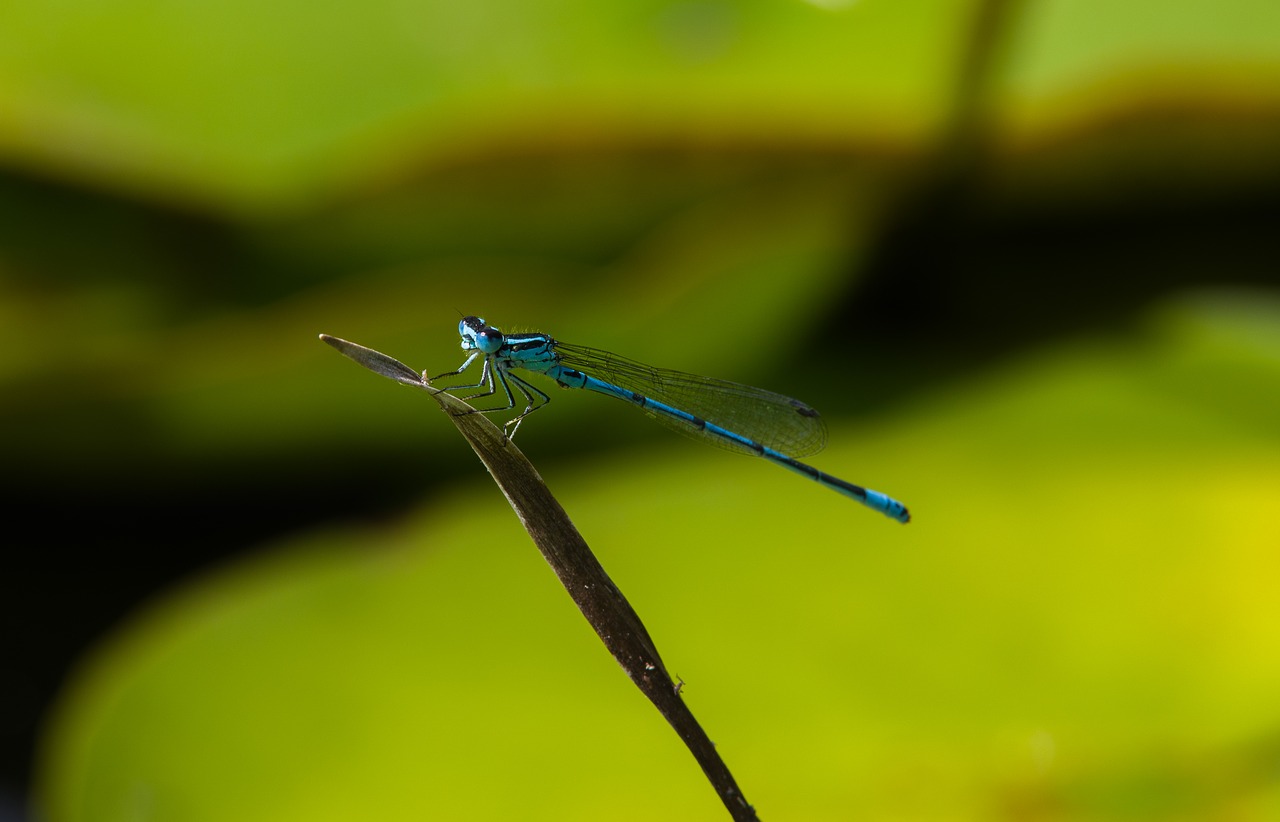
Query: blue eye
x: 489, y: 340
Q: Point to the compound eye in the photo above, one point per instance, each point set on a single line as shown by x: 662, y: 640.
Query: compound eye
x: 489, y: 340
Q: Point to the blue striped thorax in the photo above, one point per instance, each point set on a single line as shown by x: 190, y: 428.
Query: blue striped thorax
x: 533, y: 352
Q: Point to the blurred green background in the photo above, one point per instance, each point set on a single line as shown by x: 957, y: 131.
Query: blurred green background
x: 1025, y: 256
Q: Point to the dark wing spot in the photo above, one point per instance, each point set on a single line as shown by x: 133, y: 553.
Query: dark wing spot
x: 804, y: 410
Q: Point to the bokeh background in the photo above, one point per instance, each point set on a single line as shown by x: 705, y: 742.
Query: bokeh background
x: 1024, y: 255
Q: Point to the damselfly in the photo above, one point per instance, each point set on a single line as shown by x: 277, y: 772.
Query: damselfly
x: 728, y: 414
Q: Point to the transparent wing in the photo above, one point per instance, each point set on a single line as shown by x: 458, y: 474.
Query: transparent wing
x: 773, y: 420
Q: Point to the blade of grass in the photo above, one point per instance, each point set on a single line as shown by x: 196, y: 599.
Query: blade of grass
x: 604, y: 606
